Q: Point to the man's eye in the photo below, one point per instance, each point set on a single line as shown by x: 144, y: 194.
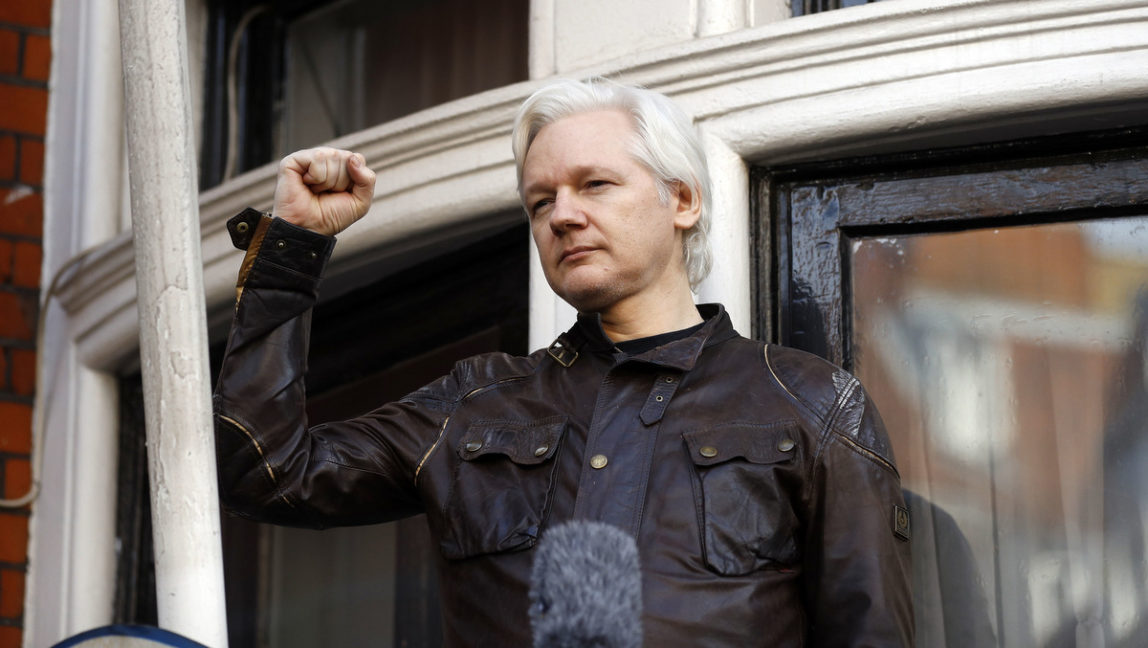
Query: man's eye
x: 596, y: 184
x: 540, y: 206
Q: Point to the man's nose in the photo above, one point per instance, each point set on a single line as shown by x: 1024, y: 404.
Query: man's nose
x: 568, y: 213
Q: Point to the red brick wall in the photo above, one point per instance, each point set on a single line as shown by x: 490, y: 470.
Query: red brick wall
x: 25, y: 57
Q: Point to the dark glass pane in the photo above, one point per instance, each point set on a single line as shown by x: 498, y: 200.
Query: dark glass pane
x: 363, y: 62
x: 306, y: 72
x: 806, y: 7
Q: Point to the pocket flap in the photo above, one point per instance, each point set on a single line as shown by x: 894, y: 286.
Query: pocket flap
x: 755, y: 443
x: 524, y: 443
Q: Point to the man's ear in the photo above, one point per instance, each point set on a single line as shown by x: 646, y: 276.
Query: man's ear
x: 689, y: 206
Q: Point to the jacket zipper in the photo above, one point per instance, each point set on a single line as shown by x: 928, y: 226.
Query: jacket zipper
x: 262, y: 456
x: 442, y: 430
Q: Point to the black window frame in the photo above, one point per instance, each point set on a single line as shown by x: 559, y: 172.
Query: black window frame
x: 809, y: 214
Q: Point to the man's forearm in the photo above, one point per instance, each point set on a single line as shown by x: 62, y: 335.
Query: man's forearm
x: 260, y: 393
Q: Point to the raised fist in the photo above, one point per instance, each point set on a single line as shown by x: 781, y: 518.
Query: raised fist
x: 323, y: 189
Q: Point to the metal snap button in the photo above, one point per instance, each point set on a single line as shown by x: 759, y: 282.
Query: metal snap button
x: 242, y: 227
x: 598, y: 461
x: 659, y: 398
x: 473, y: 446
x: 313, y: 254
x: 669, y: 379
x: 785, y: 445
x: 709, y: 452
x: 280, y: 244
x: 541, y: 450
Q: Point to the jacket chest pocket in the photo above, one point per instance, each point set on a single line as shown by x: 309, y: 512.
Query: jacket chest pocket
x: 502, y: 487
x: 745, y: 487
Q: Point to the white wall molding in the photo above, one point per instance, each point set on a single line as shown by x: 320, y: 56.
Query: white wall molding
x: 898, y: 75
x: 71, y: 567
x: 729, y: 281
x: 721, y: 16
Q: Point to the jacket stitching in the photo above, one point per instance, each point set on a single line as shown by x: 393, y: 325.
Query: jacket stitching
x: 866, y: 452
x: 853, y: 386
x: 829, y: 427
x: 698, y: 497
x: 808, y: 406
x: 828, y: 431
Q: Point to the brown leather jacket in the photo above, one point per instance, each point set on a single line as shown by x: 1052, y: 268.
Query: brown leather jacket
x: 757, y: 480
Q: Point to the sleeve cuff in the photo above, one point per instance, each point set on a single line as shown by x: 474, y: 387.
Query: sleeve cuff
x: 279, y: 242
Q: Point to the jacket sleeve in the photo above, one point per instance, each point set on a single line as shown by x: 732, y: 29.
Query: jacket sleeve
x: 271, y: 466
x: 858, y: 571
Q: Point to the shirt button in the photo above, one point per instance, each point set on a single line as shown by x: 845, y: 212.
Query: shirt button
x: 785, y: 445
x: 709, y: 452
x: 473, y: 446
x: 598, y: 461
x: 541, y: 450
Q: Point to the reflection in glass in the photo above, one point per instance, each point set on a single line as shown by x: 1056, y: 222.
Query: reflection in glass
x: 1009, y: 365
x: 353, y: 64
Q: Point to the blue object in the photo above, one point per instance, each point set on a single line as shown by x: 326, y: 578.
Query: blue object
x: 148, y: 635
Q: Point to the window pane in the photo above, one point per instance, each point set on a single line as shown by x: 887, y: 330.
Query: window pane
x: 806, y: 7
x: 358, y: 63
x: 1009, y: 365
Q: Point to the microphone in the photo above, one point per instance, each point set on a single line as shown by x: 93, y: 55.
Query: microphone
x: 586, y: 588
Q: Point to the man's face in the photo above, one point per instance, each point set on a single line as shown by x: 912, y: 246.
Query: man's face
x: 602, y: 232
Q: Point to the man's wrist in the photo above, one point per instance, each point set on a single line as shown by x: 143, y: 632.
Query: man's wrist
x: 278, y: 241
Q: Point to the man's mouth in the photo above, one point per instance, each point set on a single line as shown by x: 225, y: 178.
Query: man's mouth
x: 575, y: 253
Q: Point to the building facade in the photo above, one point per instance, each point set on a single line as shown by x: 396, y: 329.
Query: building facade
x: 25, y: 60
x: 948, y: 197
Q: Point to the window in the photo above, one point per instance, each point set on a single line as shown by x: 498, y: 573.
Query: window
x: 304, y: 73
x: 995, y: 304
x: 806, y: 7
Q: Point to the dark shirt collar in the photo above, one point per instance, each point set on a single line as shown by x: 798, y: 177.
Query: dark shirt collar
x: 680, y: 353
x: 639, y: 346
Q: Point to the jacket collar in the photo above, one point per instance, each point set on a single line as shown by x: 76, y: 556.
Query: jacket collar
x: 680, y: 354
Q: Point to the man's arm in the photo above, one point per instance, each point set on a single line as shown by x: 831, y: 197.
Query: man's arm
x: 858, y: 552
x: 271, y: 466
x: 857, y: 566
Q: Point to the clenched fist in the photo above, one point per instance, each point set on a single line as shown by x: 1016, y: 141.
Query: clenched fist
x: 323, y: 189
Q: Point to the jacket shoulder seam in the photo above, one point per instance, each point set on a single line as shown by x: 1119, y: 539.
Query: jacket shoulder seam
x: 781, y: 383
x: 829, y: 420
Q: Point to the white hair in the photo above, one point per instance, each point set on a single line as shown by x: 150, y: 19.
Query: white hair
x: 665, y: 142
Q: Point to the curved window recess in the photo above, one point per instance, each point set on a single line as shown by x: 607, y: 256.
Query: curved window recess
x: 806, y: 7
x: 888, y: 77
x: 291, y: 74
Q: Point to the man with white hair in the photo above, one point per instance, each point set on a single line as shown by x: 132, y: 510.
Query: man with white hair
x: 757, y: 481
